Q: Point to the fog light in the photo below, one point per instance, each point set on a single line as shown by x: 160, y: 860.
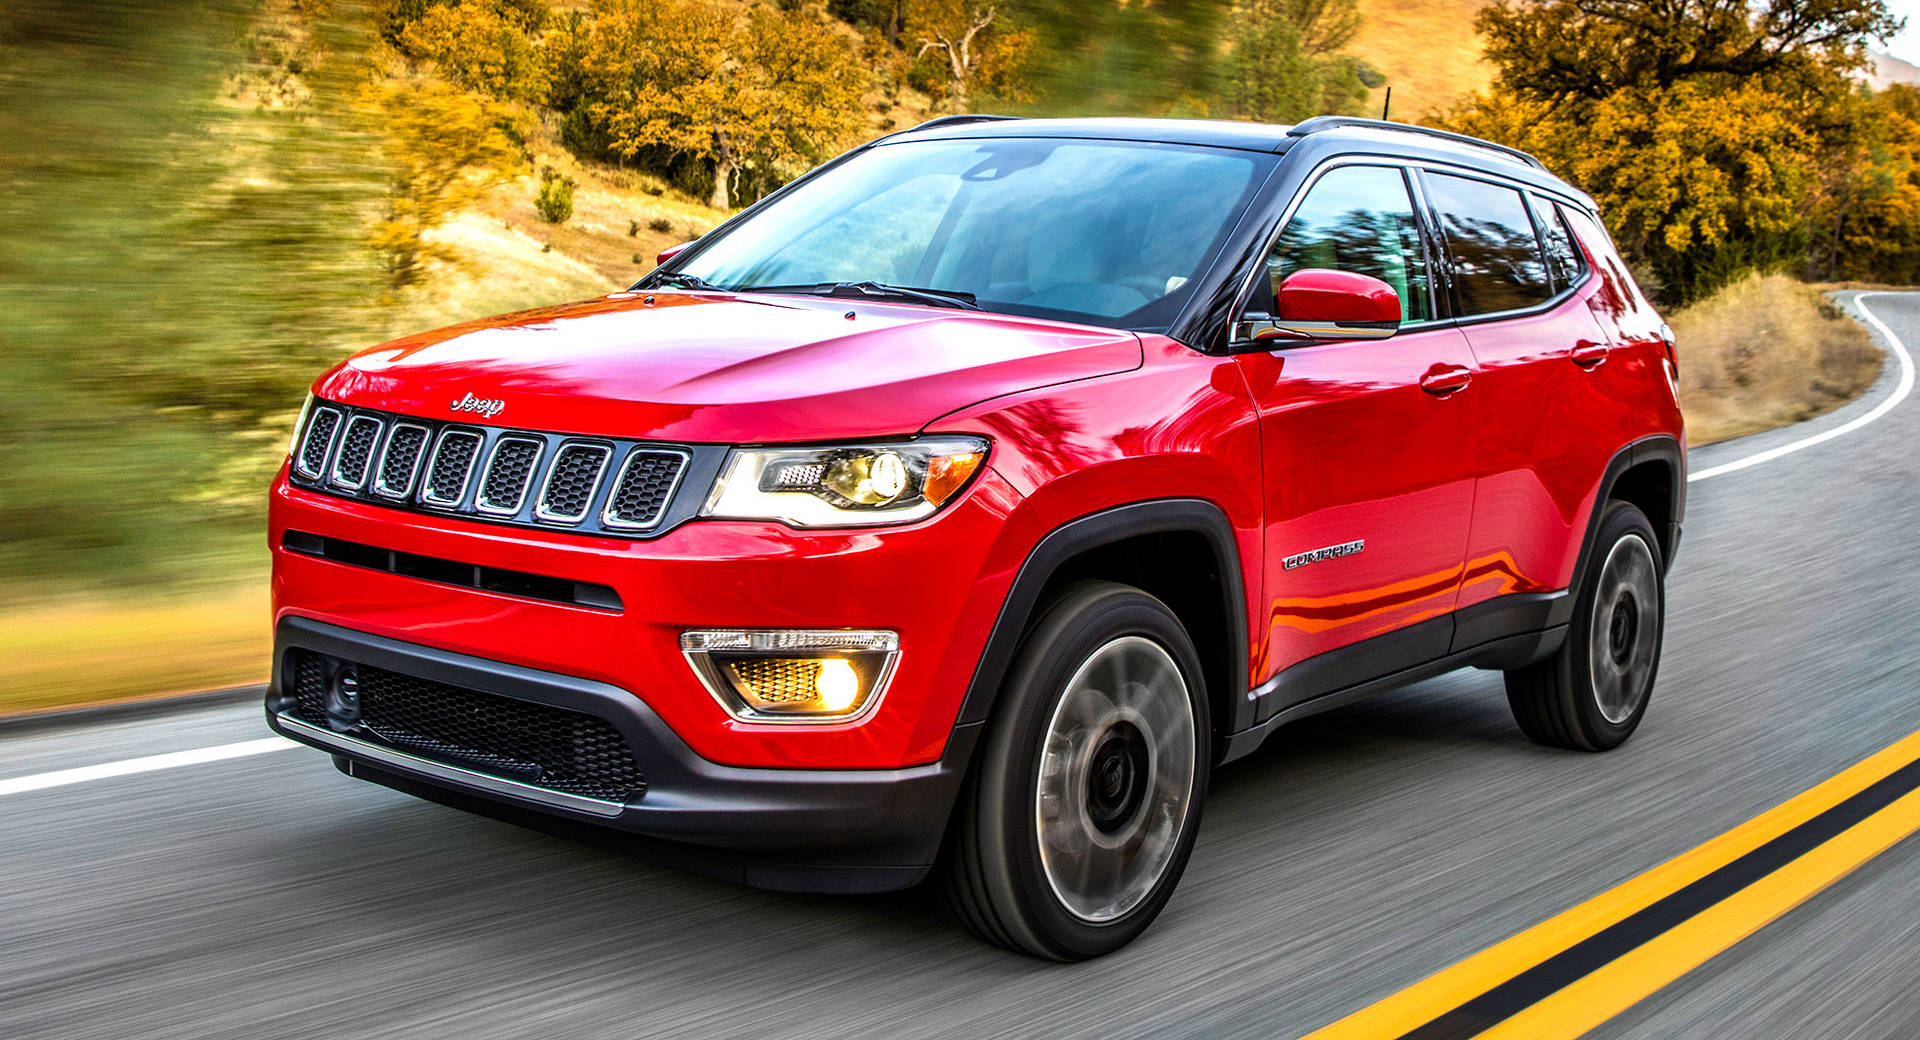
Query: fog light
x: 343, y: 698
x: 793, y: 675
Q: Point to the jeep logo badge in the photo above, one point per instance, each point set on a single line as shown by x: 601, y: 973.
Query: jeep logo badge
x: 479, y: 406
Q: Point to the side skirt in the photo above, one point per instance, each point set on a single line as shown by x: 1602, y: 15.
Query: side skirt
x: 1533, y: 627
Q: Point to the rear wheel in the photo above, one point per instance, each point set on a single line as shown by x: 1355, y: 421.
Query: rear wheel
x: 1084, y: 805
x: 1591, y: 694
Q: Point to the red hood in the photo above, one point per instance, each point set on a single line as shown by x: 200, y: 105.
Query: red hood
x: 725, y: 369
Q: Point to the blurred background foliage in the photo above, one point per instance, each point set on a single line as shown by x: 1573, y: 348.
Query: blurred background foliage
x: 208, y: 202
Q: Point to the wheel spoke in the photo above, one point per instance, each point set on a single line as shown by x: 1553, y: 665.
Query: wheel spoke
x: 1115, y: 779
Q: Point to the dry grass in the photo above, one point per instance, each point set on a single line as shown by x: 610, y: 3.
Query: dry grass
x: 1427, y: 49
x: 114, y: 649
x: 1765, y: 352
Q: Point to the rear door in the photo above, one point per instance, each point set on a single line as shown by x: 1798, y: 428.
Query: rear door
x: 1368, y: 451
x: 1519, y: 286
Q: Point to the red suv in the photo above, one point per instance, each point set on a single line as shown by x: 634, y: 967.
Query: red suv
x: 968, y: 501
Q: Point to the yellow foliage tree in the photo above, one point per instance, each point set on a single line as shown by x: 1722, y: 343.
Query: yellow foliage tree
x: 766, y: 90
x: 444, y: 148
x: 480, y: 48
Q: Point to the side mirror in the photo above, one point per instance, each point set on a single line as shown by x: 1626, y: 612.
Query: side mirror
x: 672, y: 251
x: 1319, y: 305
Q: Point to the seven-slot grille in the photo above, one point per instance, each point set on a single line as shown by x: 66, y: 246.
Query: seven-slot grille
x: 598, y: 485
x: 518, y: 740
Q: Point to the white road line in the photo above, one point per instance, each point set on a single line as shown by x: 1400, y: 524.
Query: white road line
x: 1900, y: 392
x: 151, y: 763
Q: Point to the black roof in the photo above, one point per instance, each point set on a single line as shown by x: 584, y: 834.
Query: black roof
x: 1327, y: 135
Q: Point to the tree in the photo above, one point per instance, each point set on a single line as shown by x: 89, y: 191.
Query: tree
x: 1284, y: 66
x: 1724, y: 123
x: 983, y: 53
x: 749, y: 94
x: 1592, y: 48
x: 479, y: 47
x: 444, y: 148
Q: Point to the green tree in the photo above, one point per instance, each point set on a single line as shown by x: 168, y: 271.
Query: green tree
x: 764, y: 94
x: 1284, y: 65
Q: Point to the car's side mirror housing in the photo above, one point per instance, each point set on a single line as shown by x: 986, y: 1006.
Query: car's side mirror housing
x: 672, y: 251
x: 1317, y: 305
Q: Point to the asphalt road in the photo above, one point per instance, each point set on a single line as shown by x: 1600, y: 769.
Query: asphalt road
x: 271, y: 896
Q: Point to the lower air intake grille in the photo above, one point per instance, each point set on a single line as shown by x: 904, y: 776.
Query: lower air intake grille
x: 515, y: 740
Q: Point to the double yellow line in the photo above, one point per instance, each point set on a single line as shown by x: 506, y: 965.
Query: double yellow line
x: 1567, y: 975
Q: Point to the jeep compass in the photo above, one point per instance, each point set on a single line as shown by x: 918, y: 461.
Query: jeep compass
x: 956, y: 510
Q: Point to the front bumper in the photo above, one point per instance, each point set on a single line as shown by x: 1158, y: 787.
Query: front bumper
x: 812, y: 829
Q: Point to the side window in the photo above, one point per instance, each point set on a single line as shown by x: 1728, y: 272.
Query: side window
x: 1563, y: 257
x: 1497, y: 264
x: 1358, y: 219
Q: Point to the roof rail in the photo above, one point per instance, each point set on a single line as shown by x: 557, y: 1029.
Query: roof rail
x: 957, y: 120
x: 1322, y: 123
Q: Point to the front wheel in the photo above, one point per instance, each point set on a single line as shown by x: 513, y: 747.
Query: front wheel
x: 1084, y: 805
x: 1591, y: 694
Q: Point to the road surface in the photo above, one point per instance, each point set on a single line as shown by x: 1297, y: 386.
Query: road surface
x: 270, y: 896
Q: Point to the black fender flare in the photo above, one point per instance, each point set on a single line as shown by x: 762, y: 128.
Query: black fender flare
x: 1155, y: 516
x: 1660, y: 447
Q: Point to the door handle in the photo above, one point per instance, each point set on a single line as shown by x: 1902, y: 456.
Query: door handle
x: 1442, y: 380
x: 1587, y: 353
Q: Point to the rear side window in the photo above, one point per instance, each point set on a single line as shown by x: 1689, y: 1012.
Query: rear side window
x: 1497, y: 263
x: 1358, y: 219
x: 1563, y: 257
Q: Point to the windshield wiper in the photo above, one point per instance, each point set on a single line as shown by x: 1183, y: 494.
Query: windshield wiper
x: 677, y: 280
x: 935, y: 297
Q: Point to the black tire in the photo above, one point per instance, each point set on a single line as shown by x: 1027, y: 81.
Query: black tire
x: 1592, y: 693
x: 996, y: 876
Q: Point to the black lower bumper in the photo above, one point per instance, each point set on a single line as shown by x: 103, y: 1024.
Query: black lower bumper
x: 795, y: 829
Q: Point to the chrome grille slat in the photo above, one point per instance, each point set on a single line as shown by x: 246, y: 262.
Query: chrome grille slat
x: 647, y: 481
x: 572, y: 482
x: 450, y: 467
x: 317, y: 444
x: 355, y: 458
x: 509, y: 473
x: 400, y: 462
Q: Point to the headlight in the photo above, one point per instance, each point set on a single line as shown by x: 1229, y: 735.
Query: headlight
x: 846, y: 485
x: 793, y: 675
x: 299, y: 425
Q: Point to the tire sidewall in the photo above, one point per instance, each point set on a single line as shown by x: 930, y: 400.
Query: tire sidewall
x: 1622, y: 520
x: 1082, y: 621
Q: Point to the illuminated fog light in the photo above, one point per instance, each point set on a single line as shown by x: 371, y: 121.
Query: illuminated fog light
x: 793, y: 675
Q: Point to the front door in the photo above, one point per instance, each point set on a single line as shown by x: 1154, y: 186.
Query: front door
x: 1368, y: 451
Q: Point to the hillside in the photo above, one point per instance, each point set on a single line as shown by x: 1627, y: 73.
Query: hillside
x: 1426, y: 48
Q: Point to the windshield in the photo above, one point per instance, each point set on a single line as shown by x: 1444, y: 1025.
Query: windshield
x: 1102, y: 232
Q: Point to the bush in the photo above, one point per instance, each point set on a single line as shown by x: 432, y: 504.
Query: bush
x: 660, y: 224
x: 1763, y: 351
x: 555, y: 200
